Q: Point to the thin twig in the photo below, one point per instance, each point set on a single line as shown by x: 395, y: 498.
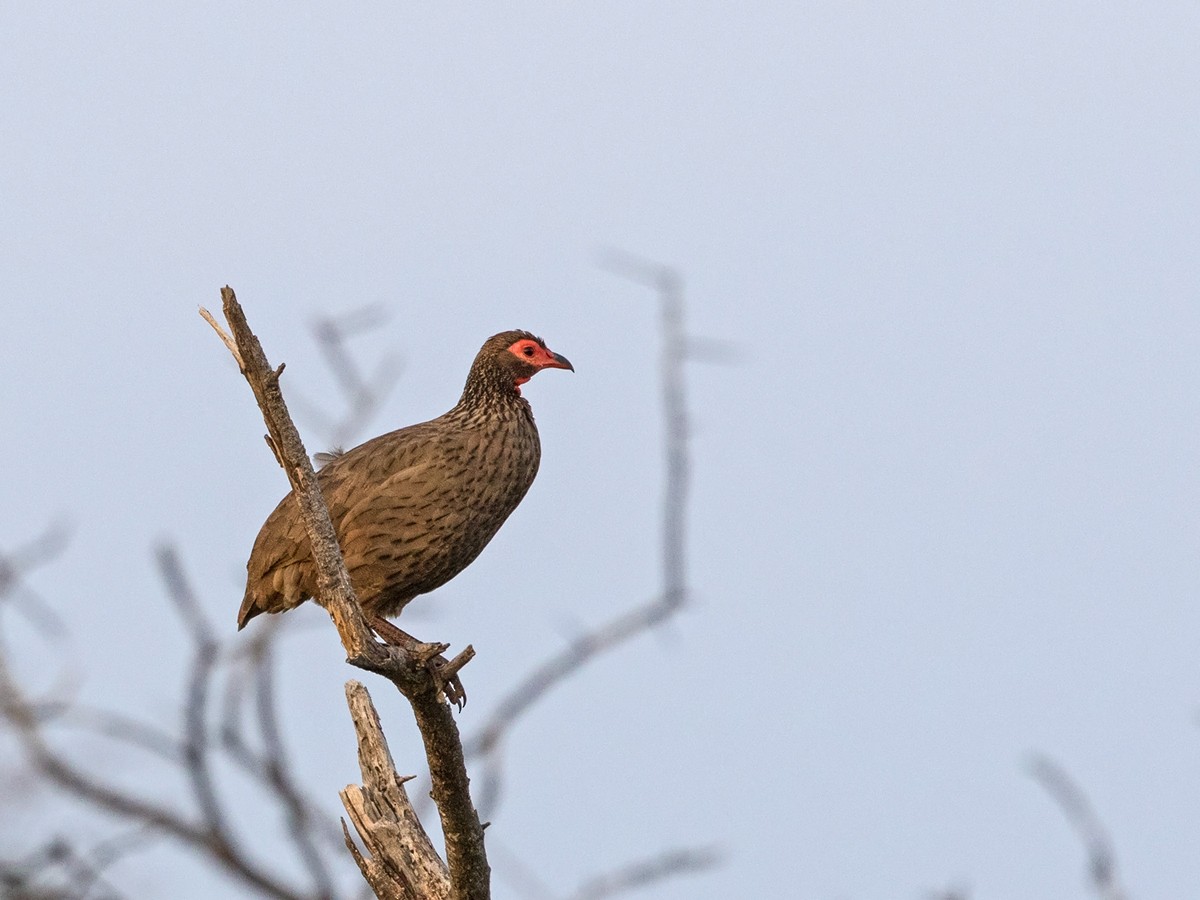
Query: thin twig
x: 224, y: 335
x: 668, y: 864
x: 112, y: 725
x: 16, y: 564
x: 193, y: 754
x: 562, y: 665
x: 1102, y: 860
x: 243, y: 673
x: 197, y: 762
x: 107, y: 853
x: 674, y: 592
x: 668, y: 285
x: 57, y: 871
x: 278, y: 774
x: 181, y: 595
x: 363, y: 396
x: 90, y: 789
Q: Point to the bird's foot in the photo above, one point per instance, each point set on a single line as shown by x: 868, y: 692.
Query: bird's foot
x: 444, y: 671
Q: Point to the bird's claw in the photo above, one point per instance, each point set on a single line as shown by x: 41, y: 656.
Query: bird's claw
x: 445, y: 674
x: 444, y: 671
x: 451, y: 688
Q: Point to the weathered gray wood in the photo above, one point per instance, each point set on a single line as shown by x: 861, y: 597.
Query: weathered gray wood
x: 401, y: 862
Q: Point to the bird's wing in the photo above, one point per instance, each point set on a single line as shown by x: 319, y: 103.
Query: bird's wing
x: 280, y: 563
x: 402, y: 505
x: 363, y: 487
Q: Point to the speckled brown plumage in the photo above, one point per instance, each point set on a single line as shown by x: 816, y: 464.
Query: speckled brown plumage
x: 414, y: 507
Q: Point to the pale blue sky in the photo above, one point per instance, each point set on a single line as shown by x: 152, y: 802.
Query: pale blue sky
x: 944, y: 507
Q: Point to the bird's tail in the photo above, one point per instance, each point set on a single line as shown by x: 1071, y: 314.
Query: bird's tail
x: 249, y: 609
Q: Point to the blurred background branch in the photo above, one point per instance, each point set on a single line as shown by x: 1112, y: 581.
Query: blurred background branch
x: 561, y: 666
x: 362, y: 395
x: 229, y: 711
x: 1075, y: 806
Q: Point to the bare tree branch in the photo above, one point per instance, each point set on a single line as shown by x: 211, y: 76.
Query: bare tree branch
x: 335, y: 593
x: 306, y: 821
x: 402, y: 863
x: 249, y: 667
x: 363, y: 396
x: 668, y: 864
x: 562, y: 665
x: 225, y: 337
x: 675, y: 346
x: 112, y: 725
x: 248, y: 675
x: 60, y: 772
x: 210, y: 835
x: 278, y: 774
x: 1102, y: 860
x: 56, y: 870
x: 407, y: 668
x: 17, y: 563
x: 195, y: 708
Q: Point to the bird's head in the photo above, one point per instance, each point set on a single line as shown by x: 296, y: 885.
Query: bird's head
x: 511, y: 358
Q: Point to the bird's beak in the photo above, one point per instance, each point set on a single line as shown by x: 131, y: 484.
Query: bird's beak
x: 560, y: 362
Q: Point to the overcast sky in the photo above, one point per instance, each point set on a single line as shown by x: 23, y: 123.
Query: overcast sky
x: 944, y: 505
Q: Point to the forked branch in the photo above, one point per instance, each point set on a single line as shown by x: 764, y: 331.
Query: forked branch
x: 466, y: 858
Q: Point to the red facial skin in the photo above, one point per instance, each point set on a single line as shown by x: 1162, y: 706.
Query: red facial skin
x: 536, y: 355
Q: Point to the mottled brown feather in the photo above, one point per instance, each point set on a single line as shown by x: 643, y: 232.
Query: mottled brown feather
x: 414, y: 507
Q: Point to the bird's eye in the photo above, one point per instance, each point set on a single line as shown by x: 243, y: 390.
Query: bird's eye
x: 528, y: 351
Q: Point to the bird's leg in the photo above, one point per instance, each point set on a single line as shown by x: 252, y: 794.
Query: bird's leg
x: 445, y: 671
x: 390, y: 633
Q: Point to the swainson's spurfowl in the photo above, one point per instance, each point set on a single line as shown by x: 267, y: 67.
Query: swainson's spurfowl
x: 414, y: 507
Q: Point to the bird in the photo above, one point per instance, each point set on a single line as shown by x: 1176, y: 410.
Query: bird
x: 412, y: 508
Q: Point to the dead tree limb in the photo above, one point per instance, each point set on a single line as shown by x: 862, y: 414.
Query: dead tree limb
x: 335, y: 593
x: 408, y: 669
x: 401, y: 854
